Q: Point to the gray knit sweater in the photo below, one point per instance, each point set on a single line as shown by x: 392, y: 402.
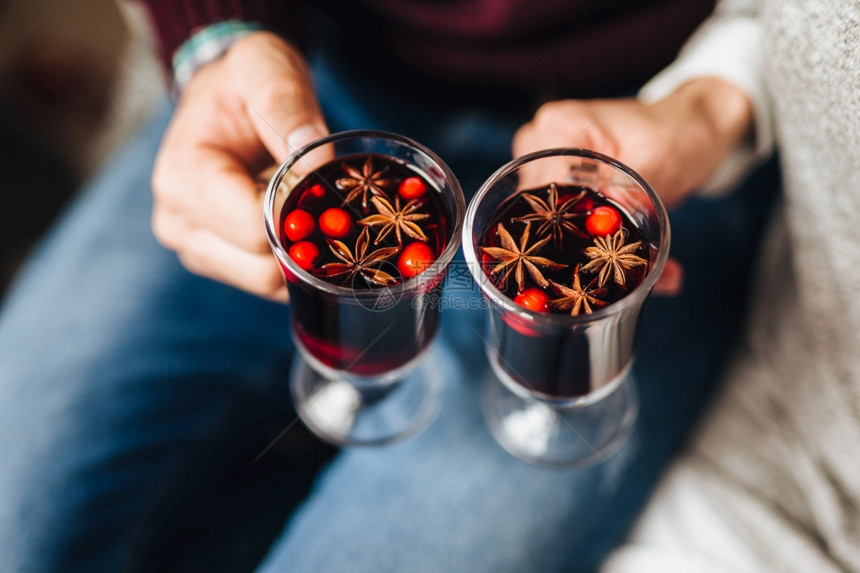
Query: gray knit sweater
x: 772, y: 482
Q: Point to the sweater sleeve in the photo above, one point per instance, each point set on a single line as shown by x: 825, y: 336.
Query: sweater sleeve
x: 175, y: 22
x: 727, y: 45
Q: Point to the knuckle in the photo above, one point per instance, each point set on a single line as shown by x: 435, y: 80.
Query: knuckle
x: 170, y: 232
x: 560, y: 114
x: 162, y: 182
x: 159, y: 186
x: 547, y: 112
x: 162, y: 230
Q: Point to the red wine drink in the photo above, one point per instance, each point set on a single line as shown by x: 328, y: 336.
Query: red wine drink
x: 566, y: 245
x: 363, y: 225
x: 560, y: 249
x: 368, y: 223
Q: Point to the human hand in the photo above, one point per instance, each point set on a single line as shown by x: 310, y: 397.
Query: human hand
x: 237, y: 116
x: 676, y: 143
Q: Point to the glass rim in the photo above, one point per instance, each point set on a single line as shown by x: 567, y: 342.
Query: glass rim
x: 499, y: 299
x: 435, y: 269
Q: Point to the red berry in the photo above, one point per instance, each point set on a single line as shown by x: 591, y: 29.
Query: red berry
x: 305, y: 254
x: 415, y: 258
x: 312, y: 194
x: 604, y: 220
x: 298, y: 225
x: 533, y: 299
x: 412, y: 188
x: 335, y: 222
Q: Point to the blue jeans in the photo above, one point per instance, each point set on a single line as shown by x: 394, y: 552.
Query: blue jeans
x: 135, y: 399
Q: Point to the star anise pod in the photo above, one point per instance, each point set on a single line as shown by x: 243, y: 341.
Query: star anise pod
x: 520, y: 258
x: 394, y: 218
x: 360, y: 183
x: 610, y: 256
x: 577, y: 298
x: 359, y: 261
x: 554, y: 218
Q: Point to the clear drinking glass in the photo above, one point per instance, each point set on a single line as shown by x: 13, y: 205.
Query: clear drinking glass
x: 562, y: 391
x: 361, y: 375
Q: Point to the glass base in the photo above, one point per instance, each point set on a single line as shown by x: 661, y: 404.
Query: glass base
x: 574, y: 434
x: 358, y: 411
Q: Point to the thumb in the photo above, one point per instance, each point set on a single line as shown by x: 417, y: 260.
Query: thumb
x: 280, y: 99
x: 286, y: 120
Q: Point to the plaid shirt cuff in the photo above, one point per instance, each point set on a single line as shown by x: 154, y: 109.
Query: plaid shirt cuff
x: 204, y: 46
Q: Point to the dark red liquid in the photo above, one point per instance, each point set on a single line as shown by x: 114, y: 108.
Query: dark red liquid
x: 570, y: 249
x: 559, y: 365
x: 363, y: 333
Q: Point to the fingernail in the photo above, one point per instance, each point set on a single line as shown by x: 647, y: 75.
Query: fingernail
x: 301, y: 136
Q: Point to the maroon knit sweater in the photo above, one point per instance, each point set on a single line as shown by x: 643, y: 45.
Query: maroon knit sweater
x: 462, y: 50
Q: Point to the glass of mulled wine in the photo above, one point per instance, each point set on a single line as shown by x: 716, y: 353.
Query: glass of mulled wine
x: 364, y: 224
x: 566, y: 245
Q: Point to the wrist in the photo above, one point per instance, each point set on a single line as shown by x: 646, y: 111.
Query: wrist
x: 708, y: 118
x: 701, y: 122
x: 725, y: 109
x: 205, y: 46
